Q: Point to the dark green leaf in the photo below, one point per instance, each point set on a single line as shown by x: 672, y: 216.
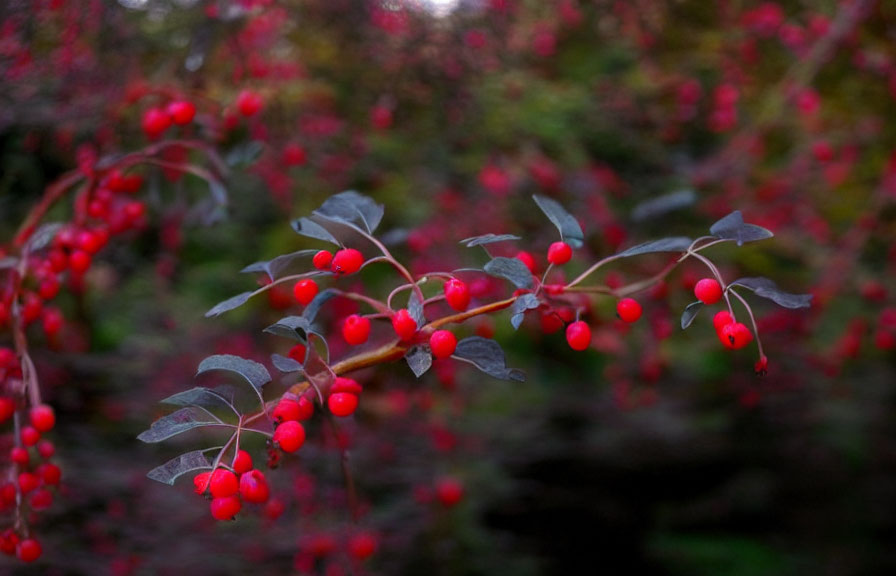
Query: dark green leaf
x: 732, y: 227
x: 285, y: 364
x: 313, y: 307
x: 352, y: 207
x: 290, y: 327
x: 170, y: 471
x: 199, y: 396
x: 415, y: 309
x: 488, y: 356
x: 565, y: 222
x: 510, y: 269
x: 690, y: 312
x: 487, y: 239
x: 229, y: 304
x: 419, y: 359
x: 519, y: 307
x: 671, y: 244
x: 177, y: 422
x: 767, y: 288
x: 254, y: 373
x: 244, y: 154
x: 311, y: 229
x: 275, y: 267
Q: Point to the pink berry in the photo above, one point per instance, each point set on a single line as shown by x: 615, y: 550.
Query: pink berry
x: 43, y: 418
x: 201, y: 480
x: 708, y: 291
x: 578, y: 335
x: 405, y: 326
x: 457, y: 294
x: 155, y: 122
x: 735, y: 336
x: 305, y: 291
x: 242, y: 462
x: 249, y: 103
x: 28, y: 550
x: 322, y: 260
x: 347, y: 261
x: 342, y: 404
x: 628, y: 310
x: 442, y: 343
x: 527, y: 259
x: 181, y: 112
x: 223, y: 483
x: 356, y: 329
x: 290, y: 436
x: 254, y: 487
x: 225, y: 508
x: 722, y: 319
x: 559, y: 253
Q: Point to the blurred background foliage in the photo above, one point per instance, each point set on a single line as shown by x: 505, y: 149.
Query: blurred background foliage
x: 653, y: 452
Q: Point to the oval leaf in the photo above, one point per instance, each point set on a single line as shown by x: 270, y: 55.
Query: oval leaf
x: 519, y: 307
x: 199, y: 396
x: 229, y: 304
x: 419, y: 359
x: 352, y: 207
x: 171, y: 470
x: 569, y: 228
x: 487, y: 239
x: 313, y: 307
x: 690, y: 312
x: 275, y: 267
x: 311, y: 229
x: 177, y: 423
x: 510, y: 269
x: 254, y: 373
x: 767, y: 288
x: 488, y: 356
x: 670, y: 244
x: 285, y: 364
x: 733, y: 227
x: 290, y: 326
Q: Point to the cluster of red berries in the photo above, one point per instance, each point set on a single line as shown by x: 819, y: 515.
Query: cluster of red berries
x: 229, y: 487
x: 157, y: 120
x: 35, y: 475
x: 733, y: 335
x: 317, y: 548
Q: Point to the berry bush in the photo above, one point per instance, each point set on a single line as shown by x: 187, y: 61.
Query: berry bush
x: 473, y: 338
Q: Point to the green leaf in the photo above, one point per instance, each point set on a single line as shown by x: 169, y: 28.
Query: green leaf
x: 690, y: 312
x: 670, y: 244
x: 199, y: 396
x: 276, y: 266
x: 353, y: 208
x: 569, y: 228
x: 171, y: 470
x: 290, y: 327
x: 488, y: 356
x: 419, y: 359
x: 311, y: 229
x: 254, y: 373
x: 510, y: 269
x: 313, y: 307
x: 767, y: 288
x: 733, y: 227
x: 487, y: 239
x: 176, y: 423
x: 229, y: 304
x: 286, y: 364
x: 520, y: 306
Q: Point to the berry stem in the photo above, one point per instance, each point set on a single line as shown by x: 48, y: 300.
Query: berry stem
x: 752, y: 320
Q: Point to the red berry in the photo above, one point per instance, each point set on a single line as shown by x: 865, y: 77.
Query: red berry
x: 294, y: 155
x: 628, y: 310
x: 289, y: 436
x: 43, y: 418
x: 242, y: 462
x: 347, y: 261
x: 298, y: 353
x: 356, y: 329
x: 527, y: 259
x: 9, y: 540
x: 52, y: 321
x: 254, y: 487
x: 578, y: 335
x: 7, y: 408
x: 223, y: 483
x: 225, y: 508
x: 79, y: 262
x: 50, y: 473
x: 442, y: 343
x: 322, y: 260
x: 28, y: 482
x: 559, y: 253
x: 722, y: 319
x: 293, y: 410
x: 40, y: 499
x: 363, y: 545
x: 449, y: 491
x: 201, y: 480
x: 249, y: 103
x: 155, y: 122
x: 708, y: 291
x: 46, y: 449
x: 28, y: 550
x: 342, y: 384
x: 342, y: 404
x: 404, y: 325
x: 735, y: 336
x: 761, y: 366
x: 305, y: 291
x: 457, y: 294
x: 29, y: 435
x: 181, y: 112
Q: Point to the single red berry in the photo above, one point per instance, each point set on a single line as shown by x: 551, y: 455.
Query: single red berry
x: 363, y: 545
x: 347, y: 261
x: 79, y: 261
x: 404, y: 325
x: 578, y: 335
x: 49, y: 473
x: 342, y: 404
x: 442, y: 343
x: 40, y: 499
x: 289, y: 436
x: 559, y: 253
x: 628, y: 310
x: 457, y: 294
x: 294, y: 155
x: 19, y: 455
x: 527, y: 259
x: 356, y: 329
x: 722, y: 319
x: 288, y: 410
x: 28, y: 481
x: 305, y: 291
x: 735, y: 336
x: 49, y: 288
x: 52, y: 321
x: 249, y: 103
x: 708, y: 291
x: 43, y: 418
x: 155, y: 122
x: 254, y: 487
x: 298, y: 353
x: 201, y: 480
x: 9, y: 540
x: 7, y: 408
x: 322, y: 260
x: 343, y: 384
x: 32, y: 306
x: 242, y: 462
x: 449, y: 491
x: 181, y: 112
x: 223, y: 483
x: 225, y: 508
x: 28, y: 550
x: 761, y: 366
x: 46, y: 449
x: 29, y: 435
x: 92, y: 241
